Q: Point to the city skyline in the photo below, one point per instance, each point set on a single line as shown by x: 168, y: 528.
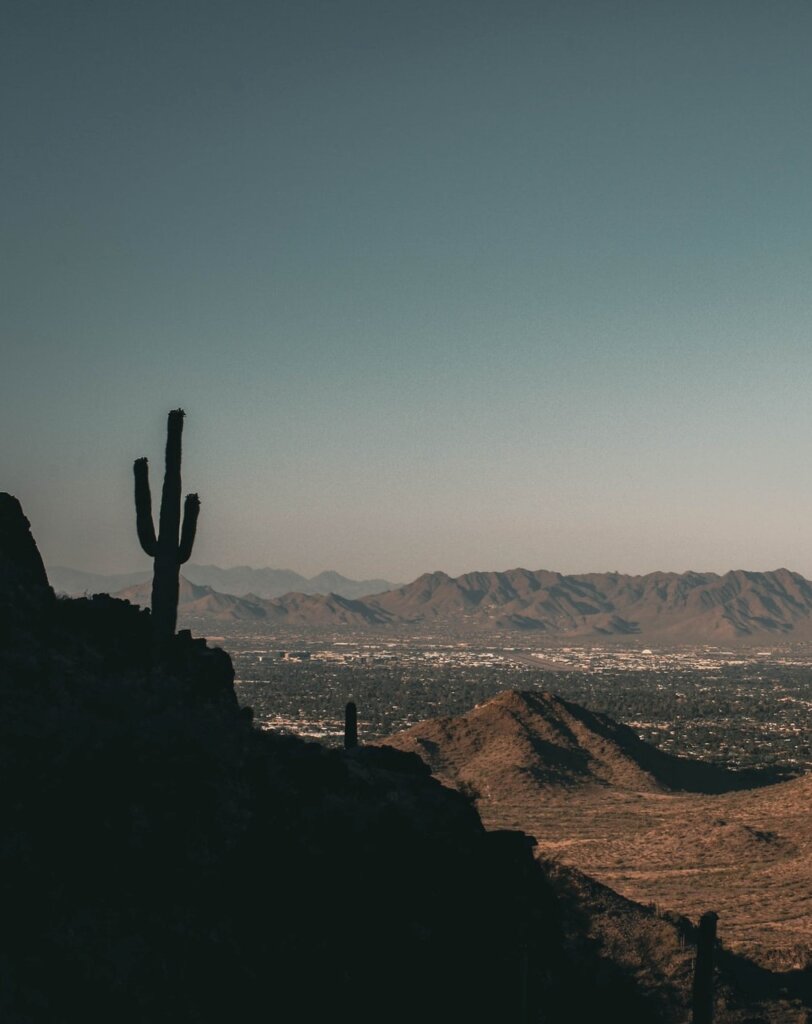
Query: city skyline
x: 457, y: 286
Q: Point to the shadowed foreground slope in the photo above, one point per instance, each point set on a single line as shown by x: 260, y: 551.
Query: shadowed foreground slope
x: 162, y: 861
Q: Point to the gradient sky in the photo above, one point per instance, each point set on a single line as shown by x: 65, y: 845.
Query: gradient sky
x: 441, y: 285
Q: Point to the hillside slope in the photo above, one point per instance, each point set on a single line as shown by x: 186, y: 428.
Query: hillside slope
x: 685, y: 835
x: 521, y: 740
x: 163, y: 862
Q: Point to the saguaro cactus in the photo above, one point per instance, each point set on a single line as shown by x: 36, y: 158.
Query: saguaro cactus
x: 703, y: 970
x: 350, y: 726
x: 173, y: 545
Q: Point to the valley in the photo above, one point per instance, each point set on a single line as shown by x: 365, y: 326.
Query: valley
x: 740, y: 709
x: 740, y: 844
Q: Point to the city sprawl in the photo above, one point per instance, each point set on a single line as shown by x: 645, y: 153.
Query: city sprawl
x: 740, y: 708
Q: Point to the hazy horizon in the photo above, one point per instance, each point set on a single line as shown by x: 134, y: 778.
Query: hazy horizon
x: 147, y: 564
x: 440, y: 286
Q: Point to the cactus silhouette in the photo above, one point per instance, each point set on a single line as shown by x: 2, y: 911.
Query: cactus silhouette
x: 703, y: 970
x: 350, y: 726
x: 173, y: 544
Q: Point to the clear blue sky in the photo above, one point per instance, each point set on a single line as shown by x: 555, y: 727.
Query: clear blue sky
x: 441, y: 285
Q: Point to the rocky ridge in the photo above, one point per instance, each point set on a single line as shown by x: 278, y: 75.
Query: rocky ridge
x: 663, y: 608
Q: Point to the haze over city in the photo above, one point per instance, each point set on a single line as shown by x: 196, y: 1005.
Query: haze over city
x: 455, y: 285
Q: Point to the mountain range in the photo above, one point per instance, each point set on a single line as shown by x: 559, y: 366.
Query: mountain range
x: 667, y: 608
x: 239, y: 580
x: 204, y: 603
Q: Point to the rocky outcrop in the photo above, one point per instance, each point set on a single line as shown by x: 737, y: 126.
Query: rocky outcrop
x: 24, y: 586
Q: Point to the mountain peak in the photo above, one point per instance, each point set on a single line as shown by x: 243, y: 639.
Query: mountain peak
x: 524, y: 739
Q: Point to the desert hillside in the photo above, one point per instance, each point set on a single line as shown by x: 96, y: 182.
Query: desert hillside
x: 165, y: 862
x: 679, y: 834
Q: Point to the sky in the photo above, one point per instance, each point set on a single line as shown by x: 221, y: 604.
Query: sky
x: 440, y: 285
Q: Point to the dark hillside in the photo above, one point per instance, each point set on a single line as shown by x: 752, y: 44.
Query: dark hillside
x: 163, y: 861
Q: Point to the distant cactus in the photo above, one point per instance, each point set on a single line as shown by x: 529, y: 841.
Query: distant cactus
x: 173, y: 545
x: 703, y: 970
x: 350, y: 726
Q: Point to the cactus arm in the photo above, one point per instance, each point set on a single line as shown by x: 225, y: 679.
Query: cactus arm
x: 143, y: 508
x: 169, y: 523
x: 191, y: 510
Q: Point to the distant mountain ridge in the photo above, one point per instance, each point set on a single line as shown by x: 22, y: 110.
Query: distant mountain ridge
x: 196, y: 602
x: 239, y: 580
x: 202, y: 602
x: 268, y: 583
x: 667, y: 605
x: 670, y: 608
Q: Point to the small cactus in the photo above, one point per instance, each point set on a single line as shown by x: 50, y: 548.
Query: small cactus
x: 703, y: 970
x: 173, y: 544
x: 350, y: 726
